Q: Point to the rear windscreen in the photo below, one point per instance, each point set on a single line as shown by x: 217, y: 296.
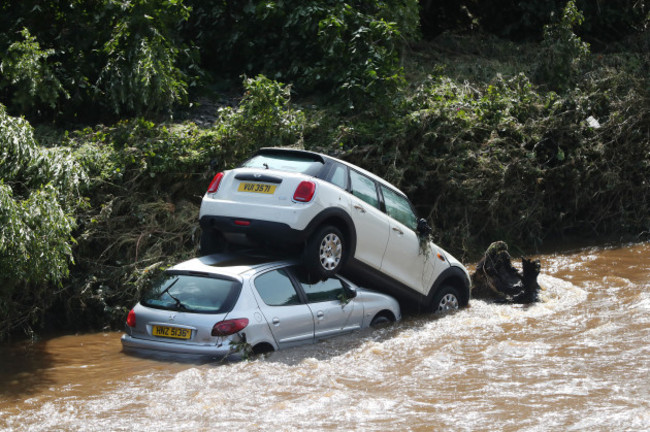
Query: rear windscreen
x: 291, y: 162
x: 192, y: 293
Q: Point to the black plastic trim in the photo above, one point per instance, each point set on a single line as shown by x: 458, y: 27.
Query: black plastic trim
x: 258, y: 177
x: 365, y: 275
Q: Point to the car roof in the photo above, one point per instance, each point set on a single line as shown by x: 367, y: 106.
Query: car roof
x: 276, y: 150
x: 231, y: 264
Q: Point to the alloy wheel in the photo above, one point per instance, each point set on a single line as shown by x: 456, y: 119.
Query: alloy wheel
x: 330, y: 251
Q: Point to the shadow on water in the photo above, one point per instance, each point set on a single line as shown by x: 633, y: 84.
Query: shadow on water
x: 25, y: 368
x: 61, y: 363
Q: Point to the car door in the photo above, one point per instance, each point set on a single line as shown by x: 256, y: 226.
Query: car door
x: 332, y: 305
x: 370, y: 223
x: 289, y: 318
x: 404, y: 259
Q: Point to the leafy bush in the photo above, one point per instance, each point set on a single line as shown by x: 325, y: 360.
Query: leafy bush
x: 38, y: 196
x: 262, y: 119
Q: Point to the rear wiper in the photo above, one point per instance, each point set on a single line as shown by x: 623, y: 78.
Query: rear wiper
x: 179, y: 304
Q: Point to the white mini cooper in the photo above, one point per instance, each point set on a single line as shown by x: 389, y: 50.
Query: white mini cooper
x: 340, y: 217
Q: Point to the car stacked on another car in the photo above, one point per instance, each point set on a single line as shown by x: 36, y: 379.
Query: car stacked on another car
x: 341, y: 218
x: 224, y: 304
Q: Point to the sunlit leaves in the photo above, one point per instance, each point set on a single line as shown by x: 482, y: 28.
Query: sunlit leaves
x: 38, y: 197
x: 25, y: 68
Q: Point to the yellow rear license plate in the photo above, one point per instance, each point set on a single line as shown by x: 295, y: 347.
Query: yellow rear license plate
x: 172, y: 332
x: 257, y: 188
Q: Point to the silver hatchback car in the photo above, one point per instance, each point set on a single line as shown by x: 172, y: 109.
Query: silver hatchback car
x: 222, y: 305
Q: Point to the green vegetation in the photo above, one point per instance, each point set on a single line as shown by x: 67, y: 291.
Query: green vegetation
x: 525, y: 126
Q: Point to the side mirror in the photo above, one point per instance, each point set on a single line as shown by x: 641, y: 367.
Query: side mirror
x: 349, y: 291
x: 423, y: 228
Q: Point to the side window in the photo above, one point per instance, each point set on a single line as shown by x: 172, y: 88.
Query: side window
x: 364, y: 188
x: 276, y: 289
x: 399, y: 208
x: 327, y: 290
x: 339, y: 176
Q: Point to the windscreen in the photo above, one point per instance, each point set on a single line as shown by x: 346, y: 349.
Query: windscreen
x: 192, y: 293
x: 291, y: 162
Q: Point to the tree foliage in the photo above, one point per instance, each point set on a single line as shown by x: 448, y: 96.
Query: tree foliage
x: 563, y: 52
x: 350, y: 48
x: 100, y: 57
x: 38, y: 197
x: 26, y: 71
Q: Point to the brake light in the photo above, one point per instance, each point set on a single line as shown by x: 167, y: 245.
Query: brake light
x: 214, y: 184
x: 130, y: 319
x: 305, y: 191
x: 229, y: 327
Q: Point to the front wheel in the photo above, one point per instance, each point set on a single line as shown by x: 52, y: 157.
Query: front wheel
x: 381, y: 320
x: 324, y: 254
x: 445, y: 300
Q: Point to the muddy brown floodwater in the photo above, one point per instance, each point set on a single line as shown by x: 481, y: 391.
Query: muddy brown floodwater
x: 577, y: 361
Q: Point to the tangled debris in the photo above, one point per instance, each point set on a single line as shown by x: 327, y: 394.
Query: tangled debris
x: 496, y: 279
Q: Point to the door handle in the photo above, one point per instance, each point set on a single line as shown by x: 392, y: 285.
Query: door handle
x: 396, y: 229
x: 358, y: 207
x: 276, y: 321
x: 320, y: 314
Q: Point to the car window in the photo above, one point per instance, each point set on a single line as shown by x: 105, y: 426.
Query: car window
x: 323, y: 290
x: 399, y: 208
x: 305, y: 164
x: 339, y: 176
x: 364, y: 188
x: 192, y: 293
x: 276, y: 289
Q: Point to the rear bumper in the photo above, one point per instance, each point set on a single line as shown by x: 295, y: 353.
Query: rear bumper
x: 129, y: 343
x: 244, y: 230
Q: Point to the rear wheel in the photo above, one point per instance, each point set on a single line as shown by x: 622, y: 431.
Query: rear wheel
x: 445, y: 300
x: 324, y: 254
x: 262, y: 348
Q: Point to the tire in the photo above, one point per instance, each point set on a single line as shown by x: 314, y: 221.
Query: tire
x: 325, y: 252
x: 211, y: 242
x: 380, y: 320
x: 446, y: 300
x: 262, y: 348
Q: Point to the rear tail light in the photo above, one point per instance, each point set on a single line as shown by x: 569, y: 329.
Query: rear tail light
x: 305, y: 191
x: 130, y: 319
x: 214, y: 184
x: 229, y: 327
